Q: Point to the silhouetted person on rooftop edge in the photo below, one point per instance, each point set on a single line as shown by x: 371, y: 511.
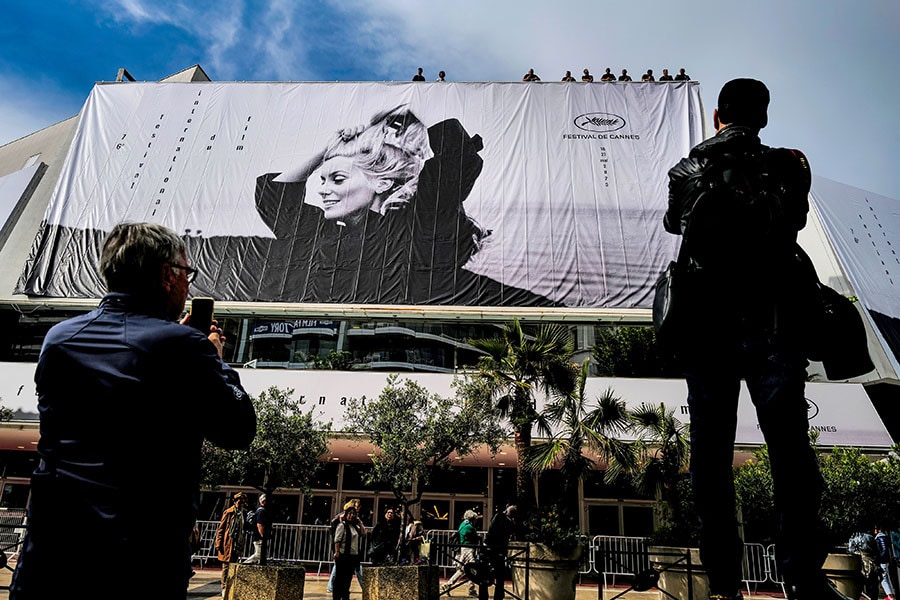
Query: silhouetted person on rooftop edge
x: 568, y: 76
x: 648, y: 76
x: 587, y: 77
x: 624, y: 76
x: 531, y: 76
x: 682, y: 76
x: 440, y: 76
x: 608, y: 75
x: 665, y: 76
x: 418, y: 76
x: 126, y: 396
x: 736, y: 327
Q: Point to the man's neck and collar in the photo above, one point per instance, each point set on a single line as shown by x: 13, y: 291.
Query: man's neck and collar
x: 723, y: 128
x: 133, y: 302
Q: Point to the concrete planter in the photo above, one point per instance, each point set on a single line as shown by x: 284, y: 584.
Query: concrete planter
x: 257, y: 582
x: 845, y: 571
x: 674, y: 564
x: 550, y: 575
x: 418, y: 582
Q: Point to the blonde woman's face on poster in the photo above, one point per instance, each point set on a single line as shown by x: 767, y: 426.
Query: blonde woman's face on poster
x: 344, y: 189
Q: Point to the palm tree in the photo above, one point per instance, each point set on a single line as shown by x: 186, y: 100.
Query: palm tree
x: 569, y: 423
x: 515, y: 366
x: 662, y: 453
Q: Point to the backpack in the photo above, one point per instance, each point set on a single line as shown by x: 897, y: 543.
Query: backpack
x: 334, y: 524
x: 863, y: 543
x: 738, y: 212
x: 250, y: 520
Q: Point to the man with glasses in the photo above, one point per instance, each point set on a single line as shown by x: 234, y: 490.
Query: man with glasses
x: 126, y: 397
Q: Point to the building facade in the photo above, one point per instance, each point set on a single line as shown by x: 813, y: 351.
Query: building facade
x: 573, y: 243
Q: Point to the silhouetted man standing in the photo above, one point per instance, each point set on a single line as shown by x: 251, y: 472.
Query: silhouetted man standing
x: 126, y: 396
x: 739, y: 205
x: 500, y: 531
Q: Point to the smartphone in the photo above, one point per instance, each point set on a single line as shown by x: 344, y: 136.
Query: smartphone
x: 201, y: 314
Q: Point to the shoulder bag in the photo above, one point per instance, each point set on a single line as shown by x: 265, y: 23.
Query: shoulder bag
x: 669, y: 302
x: 836, y: 334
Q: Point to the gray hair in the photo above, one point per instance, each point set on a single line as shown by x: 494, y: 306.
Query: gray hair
x: 133, y: 253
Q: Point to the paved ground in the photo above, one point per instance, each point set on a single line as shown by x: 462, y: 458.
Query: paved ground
x: 205, y: 585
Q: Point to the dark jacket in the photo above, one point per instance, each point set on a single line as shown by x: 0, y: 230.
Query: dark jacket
x: 500, y: 531
x: 385, y: 537
x: 884, y: 548
x: 125, y: 398
x: 744, y: 268
x: 262, y: 518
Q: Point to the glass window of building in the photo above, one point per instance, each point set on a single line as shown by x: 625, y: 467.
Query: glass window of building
x: 461, y: 480
x: 637, y: 521
x: 14, y: 495
x: 504, y: 484
x: 18, y: 463
x: 318, y: 509
x: 326, y: 477
x: 436, y: 515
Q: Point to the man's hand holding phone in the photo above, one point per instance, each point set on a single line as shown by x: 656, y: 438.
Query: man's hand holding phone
x: 201, y: 318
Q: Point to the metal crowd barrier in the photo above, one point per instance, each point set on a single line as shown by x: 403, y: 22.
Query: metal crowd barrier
x: 311, y: 544
x: 756, y: 565
x: 618, y: 555
x: 12, y: 529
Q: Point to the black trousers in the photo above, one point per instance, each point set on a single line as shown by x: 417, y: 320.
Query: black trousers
x: 345, y: 567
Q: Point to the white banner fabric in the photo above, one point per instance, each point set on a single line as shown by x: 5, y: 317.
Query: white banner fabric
x: 524, y: 194
x: 864, y: 229
x: 841, y: 412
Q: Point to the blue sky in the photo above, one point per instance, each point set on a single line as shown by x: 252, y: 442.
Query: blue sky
x: 831, y: 67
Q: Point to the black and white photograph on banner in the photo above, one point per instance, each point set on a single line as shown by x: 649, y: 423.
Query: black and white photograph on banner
x: 473, y: 194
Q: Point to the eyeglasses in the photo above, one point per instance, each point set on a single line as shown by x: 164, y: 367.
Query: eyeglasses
x: 191, y: 272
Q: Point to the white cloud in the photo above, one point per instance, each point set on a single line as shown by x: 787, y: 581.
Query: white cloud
x: 223, y: 36
x: 139, y: 12
x: 280, y: 39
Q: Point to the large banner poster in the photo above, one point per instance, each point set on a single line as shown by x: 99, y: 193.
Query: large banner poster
x: 477, y: 194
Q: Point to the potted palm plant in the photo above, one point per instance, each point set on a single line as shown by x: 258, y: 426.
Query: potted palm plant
x: 568, y: 423
x: 662, y: 452
x: 546, y: 562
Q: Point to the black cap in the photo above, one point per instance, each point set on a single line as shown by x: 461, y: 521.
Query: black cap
x: 744, y: 102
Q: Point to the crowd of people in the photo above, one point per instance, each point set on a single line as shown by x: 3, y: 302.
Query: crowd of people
x: 395, y: 540
x: 608, y: 76
x: 586, y: 76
